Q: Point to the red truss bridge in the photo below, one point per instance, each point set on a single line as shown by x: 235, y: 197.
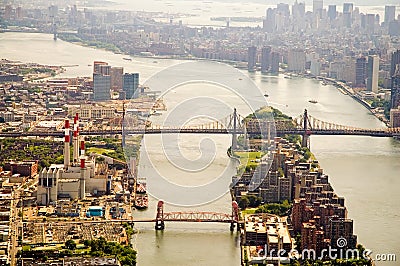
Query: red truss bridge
x: 196, y: 216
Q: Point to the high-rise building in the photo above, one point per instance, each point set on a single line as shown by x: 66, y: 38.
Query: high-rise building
x: 252, y: 58
x: 361, y: 72
x: 395, y: 89
x: 269, y: 22
x: 342, y: 229
x: 101, y: 87
x: 370, y: 23
x: 296, y: 60
x: 275, y: 60
x: 298, y: 14
x: 8, y: 12
x: 394, y: 62
x: 394, y: 28
x: 283, y: 9
x: 348, y: 7
x: 105, y: 70
x: 332, y: 12
x: 117, y: 78
x: 265, y: 59
x: 315, y: 68
x: 318, y: 6
x: 390, y: 14
x: 372, y: 73
x: 19, y: 13
x: 97, y: 65
x: 395, y: 118
x: 348, y: 14
x: 131, y: 83
x: 298, y: 10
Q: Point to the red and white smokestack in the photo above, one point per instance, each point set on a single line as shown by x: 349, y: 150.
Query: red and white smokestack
x: 82, y: 148
x: 76, y: 139
x: 83, y: 163
x: 66, y: 145
x: 82, y: 183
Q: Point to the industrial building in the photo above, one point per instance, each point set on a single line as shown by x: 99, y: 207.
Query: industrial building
x: 75, y: 178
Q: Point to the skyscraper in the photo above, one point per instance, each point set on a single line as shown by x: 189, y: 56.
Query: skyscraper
x: 269, y: 22
x: 390, y: 14
x: 275, y: 59
x: 332, y: 12
x: 318, y: 6
x: 361, y: 72
x: 298, y: 15
x: 372, y: 73
x: 252, y: 58
x: 395, y: 61
x: 296, y: 60
x: 101, y: 87
x: 370, y: 23
x: 348, y: 7
x: 131, y: 83
x: 265, y: 59
x: 117, y: 77
x: 395, y: 89
x: 395, y: 85
x: 298, y: 10
x: 97, y: 65
x: 348, y: 14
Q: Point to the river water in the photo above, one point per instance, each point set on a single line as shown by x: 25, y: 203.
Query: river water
x: 364, y: 170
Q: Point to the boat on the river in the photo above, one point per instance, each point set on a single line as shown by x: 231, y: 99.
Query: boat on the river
x: 141, y: 197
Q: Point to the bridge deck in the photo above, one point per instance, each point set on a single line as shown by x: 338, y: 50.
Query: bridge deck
x: 361, y: 132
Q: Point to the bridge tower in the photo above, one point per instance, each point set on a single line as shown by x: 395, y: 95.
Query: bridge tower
x: 234, y: 134
x: 123, y: 124
x: 306, y: 130
x: 235, y: 216
x: 54, y: 29
x: 160, y: 216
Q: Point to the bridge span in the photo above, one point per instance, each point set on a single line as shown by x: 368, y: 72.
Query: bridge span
x: 304, y: 125
x: 162, y: 217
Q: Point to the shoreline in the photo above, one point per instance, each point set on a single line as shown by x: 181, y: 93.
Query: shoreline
x: 345, y: 90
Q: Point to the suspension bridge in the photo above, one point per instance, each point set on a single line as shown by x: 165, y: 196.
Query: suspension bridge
x: 235, y: 124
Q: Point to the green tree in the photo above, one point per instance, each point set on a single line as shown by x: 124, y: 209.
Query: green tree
x: 70, y: 244
x: 244, y: 202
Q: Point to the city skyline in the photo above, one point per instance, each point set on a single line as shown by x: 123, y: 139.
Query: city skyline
x: 271, y: 121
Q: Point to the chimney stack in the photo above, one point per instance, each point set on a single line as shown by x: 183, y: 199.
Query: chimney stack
x: 82, y: 183
x: 82, y: 148
x: 76, y: 139
x: 66, y: 145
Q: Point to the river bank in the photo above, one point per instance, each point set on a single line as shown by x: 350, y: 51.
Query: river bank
x: 349, y: 91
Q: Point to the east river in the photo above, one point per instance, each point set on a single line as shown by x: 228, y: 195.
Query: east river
x: 364, y: 170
